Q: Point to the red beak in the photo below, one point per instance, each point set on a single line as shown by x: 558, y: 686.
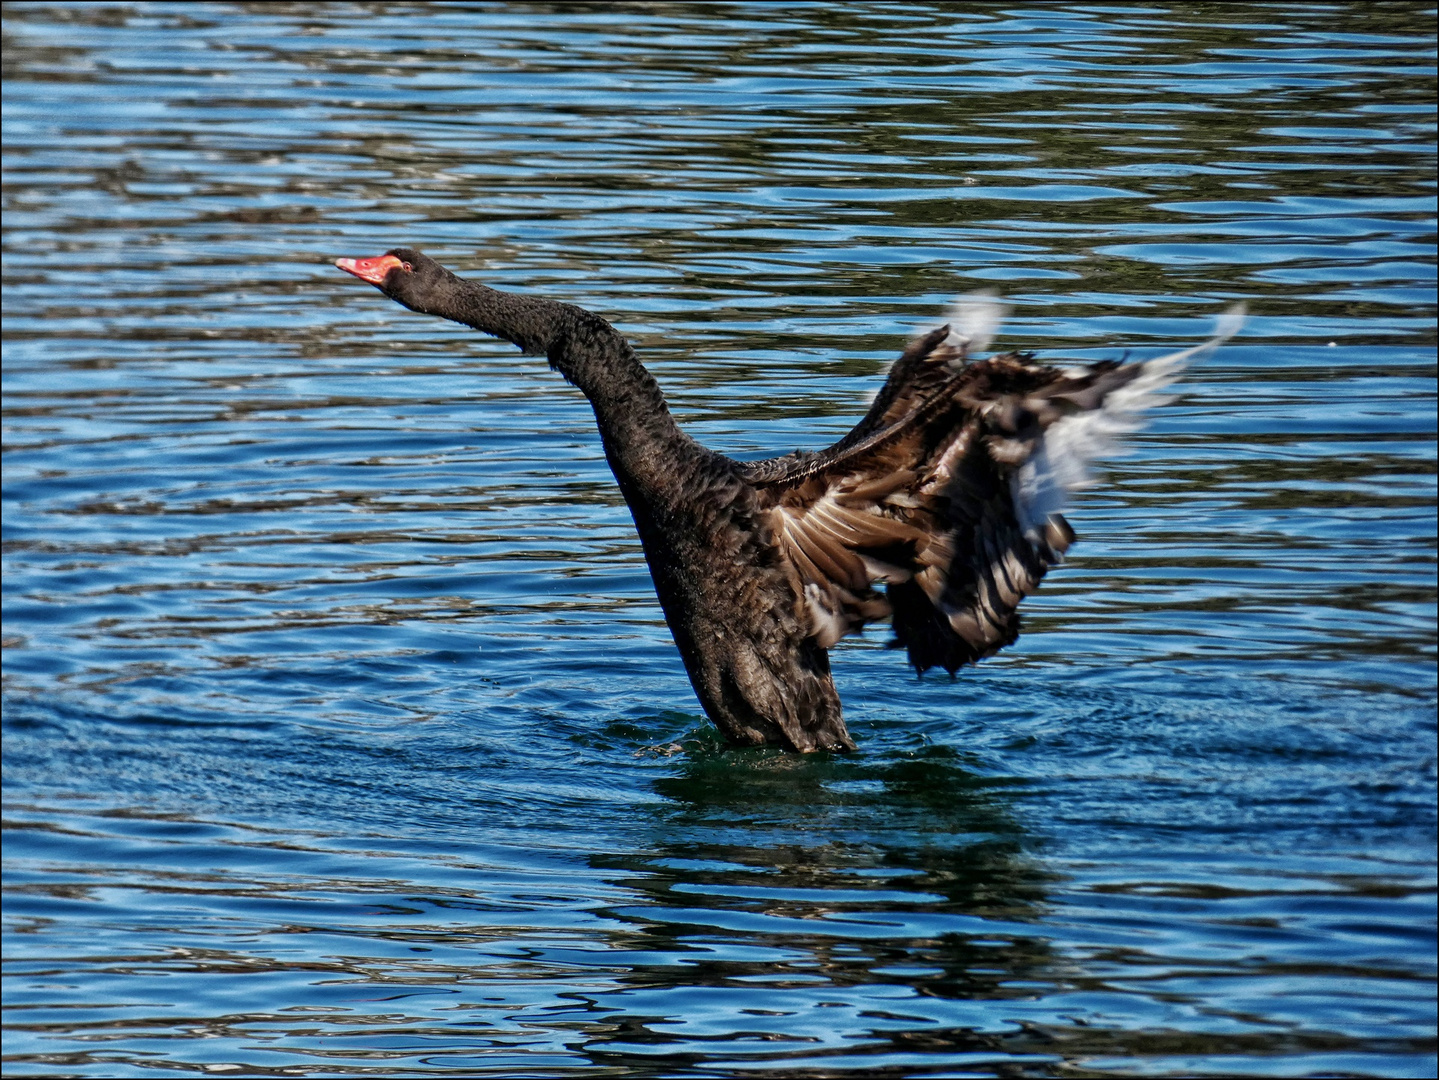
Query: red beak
x: 371, y: 270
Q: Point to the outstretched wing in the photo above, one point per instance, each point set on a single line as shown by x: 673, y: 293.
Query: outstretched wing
x: 948, y: 493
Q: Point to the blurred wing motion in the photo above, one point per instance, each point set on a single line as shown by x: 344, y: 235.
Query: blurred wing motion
x: 949, y: 491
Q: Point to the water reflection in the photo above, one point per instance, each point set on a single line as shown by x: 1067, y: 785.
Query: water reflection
x: 794, y: 903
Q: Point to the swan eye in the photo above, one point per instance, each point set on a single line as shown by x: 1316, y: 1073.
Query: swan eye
x: 407, y: 267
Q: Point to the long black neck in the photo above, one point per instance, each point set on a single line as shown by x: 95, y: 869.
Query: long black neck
x: 644, y: 445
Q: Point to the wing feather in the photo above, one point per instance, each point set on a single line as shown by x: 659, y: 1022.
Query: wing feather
x: 947, y: 494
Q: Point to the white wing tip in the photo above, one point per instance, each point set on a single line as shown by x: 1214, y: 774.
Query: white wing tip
x: 1231, y: 322
x: 1060, y: 463
x: 974, y: 320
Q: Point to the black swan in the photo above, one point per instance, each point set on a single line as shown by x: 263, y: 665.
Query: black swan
x: 948, y: 492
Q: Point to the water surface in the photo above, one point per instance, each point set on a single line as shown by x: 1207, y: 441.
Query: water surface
x: 343, y: 735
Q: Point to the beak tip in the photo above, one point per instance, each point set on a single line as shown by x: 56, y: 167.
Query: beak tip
x: 371, y: 270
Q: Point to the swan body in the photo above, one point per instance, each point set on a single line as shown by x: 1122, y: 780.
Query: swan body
x: 940, y: 511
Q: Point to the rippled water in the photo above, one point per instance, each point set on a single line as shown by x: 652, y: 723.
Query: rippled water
x: 343, y: 734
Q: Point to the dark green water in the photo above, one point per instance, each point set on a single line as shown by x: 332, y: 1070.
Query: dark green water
x: 343, y: 735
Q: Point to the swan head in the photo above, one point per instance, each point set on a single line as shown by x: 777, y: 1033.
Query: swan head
x: 403, y: 274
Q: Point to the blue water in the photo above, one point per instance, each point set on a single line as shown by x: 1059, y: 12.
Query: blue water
x: 343, y: 734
